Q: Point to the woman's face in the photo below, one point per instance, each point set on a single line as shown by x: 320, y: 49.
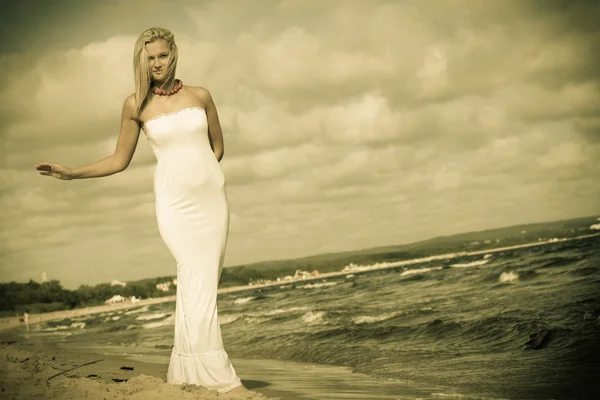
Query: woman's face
x: 158, y: 58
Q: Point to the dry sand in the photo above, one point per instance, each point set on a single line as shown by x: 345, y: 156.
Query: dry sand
x: 37, y: 370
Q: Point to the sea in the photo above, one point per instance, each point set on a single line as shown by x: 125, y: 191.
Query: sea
x: 514, y: 324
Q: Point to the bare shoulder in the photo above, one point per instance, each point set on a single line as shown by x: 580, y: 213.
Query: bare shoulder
x: 202, y: 93
x: 129, y: 106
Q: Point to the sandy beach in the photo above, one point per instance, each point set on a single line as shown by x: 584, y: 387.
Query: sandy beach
x: 33, y: 369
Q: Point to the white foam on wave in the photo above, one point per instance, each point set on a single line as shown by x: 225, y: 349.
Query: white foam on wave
x: 508, y: 277
x: 62, y: 333
x: 55, y: 328
x: 419, y: 271
x: 277, y: 311
x: 79, y: 325
x: 229, y: 318
x: 243, y: 300
x: 284, y: 310
x: 470, y: 264
x: 449, y: 395
x: 369, y: 319
x: 149, y: 317
x: 106, y: 313
x: 316, y: 285
x: 158, y: 324
x: 258, y: 317
x: 314, y: 317
x: 138, y: 310
x: 250, y: 320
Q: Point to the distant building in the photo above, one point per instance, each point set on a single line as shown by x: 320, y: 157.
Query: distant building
x: 44, y: 277
x: 163, y: 286
x: 302, y: 274
x: 116, y: 299
x: 116, y: 282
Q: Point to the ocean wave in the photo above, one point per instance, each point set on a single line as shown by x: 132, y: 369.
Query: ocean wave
x: 54, y: 328
x: 314, y: 317
x: 277, y: 311
x: 419, y: 271
x: 243, y: 300
x: 508, y: 277
x: 158, y: 324
x: 138, y: 310
x: 252, y: 320
x: 150, y: 317
x: 470, y: 264
x: 449, y: 395
x: 227, y: 319
x: 368, y: 319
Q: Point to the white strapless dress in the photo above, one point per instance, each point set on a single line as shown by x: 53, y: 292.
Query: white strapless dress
x: 193, y: 221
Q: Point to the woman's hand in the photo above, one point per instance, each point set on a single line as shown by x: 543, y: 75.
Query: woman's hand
x: 54, y: 170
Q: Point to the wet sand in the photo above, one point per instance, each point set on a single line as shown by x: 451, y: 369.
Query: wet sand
x: 37, y: 369
x: 34, y: 368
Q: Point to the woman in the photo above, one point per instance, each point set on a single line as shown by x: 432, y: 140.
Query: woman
x: 182, y: 126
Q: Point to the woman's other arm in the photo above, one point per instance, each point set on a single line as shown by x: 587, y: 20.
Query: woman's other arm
x: 112, y: 164
x: 214, y: 126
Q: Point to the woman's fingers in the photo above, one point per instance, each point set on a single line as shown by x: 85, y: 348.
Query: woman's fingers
x: 57, y: 171
x: 49, y: 169
x: 44, y: 167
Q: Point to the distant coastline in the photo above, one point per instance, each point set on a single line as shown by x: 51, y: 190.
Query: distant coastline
x: 12, y: 322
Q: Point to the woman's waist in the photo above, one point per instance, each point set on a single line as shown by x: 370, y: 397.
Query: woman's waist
x: 172, y: 154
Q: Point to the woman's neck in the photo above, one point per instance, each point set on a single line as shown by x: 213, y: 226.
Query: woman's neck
x: 168, y: 84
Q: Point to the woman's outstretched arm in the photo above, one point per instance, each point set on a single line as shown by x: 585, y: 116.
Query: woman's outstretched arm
x: 116, y: 162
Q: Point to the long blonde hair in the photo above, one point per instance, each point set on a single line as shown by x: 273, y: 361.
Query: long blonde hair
x: 141, y: 69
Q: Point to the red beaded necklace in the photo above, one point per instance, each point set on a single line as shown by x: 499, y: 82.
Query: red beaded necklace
x: 176, y: 89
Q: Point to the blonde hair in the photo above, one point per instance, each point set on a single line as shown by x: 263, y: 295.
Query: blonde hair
x: 141, y: 69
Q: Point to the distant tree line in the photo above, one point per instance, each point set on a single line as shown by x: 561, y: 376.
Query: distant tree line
x: 51, y: 296
x: 34, y: 297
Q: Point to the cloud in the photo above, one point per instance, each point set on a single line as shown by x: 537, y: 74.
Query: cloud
x: 345, y: 127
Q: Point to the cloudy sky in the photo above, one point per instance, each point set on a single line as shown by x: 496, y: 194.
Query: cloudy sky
x: 347, y: 124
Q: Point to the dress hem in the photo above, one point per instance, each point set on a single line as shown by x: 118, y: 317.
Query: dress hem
x: 195, y: 368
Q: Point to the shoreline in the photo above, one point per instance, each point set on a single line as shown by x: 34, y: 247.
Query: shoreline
x: 12, y: 322
x: 31, y: 367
